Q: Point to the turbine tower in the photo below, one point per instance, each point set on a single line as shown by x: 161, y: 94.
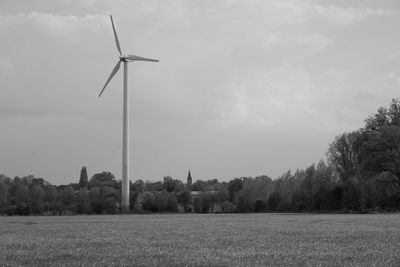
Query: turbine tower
x: 125, y: 129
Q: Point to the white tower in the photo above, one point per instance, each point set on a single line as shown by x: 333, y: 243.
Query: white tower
x: 125, y: 127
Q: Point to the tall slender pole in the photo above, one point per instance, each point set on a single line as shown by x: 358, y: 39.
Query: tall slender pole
x: 125, y: 144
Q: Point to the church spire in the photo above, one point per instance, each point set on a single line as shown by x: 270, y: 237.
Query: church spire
x: 189, y: 179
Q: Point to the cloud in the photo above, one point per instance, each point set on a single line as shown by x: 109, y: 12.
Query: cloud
x: 55, y: 24
x: 394, y: 77
x: 347, y: 15
x: 54, y: 65
x: 269, y: 96
x: 229, y: 61
x: 5, y: 67
x: 303, y: 43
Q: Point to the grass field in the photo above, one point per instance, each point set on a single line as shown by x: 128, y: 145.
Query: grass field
x: 202, y: 240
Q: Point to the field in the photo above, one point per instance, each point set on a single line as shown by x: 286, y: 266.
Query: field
x: 202, y: 240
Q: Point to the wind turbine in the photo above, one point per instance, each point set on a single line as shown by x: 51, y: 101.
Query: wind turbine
x: 125, y: 128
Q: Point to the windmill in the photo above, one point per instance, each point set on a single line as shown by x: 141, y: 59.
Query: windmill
x: 125, y: 127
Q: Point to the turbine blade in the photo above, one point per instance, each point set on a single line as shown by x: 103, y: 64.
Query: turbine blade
x: 136, y: 58
x: 114, y: 71
x: 116, y: 36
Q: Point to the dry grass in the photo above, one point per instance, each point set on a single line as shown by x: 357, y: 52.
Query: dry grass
x: 202, y: 240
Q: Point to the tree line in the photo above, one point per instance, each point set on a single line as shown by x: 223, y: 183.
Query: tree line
x: 361, y: 174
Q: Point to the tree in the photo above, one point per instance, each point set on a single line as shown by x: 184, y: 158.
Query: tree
x: 379, y: 149
x: 146, y: 201
x: 137, y: 186
x: 108, y: 200
x: 37, y: 192
x: 22, y: 195
x: 380, y: 152
x: 95, y: 199
x: 259, y: 205
x: 378, y: 120
x: 250, y: 190
x: 67, y: 195
x: 307, y: 187
x: 285, y: 186
x: 162, y: 200
x: 234, y: 186
x: 133, y: 195
x: 334, y: 198
x: 83, y: 201
x: 171, y: 184
x: 241, y: 203
x: 172, y: 203
x: 36, y: 202
x: 343, y: 155
x: 4, y: 197
x: 5, y: 179
x: 324, y: 180
x: 50, y: 193
x: 185, y: 199
x: 384, y: 117
x: 273, y: 201
x: 21, y: 200
x: 206, y: 204
x: 103, y: 179
x: 83, y: 180
x: 228, y: 207
x: 351, y: 198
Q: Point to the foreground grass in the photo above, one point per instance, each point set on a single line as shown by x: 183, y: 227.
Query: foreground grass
x: 198, y: 240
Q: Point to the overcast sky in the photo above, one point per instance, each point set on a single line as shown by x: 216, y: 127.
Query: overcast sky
x: 243, y: 88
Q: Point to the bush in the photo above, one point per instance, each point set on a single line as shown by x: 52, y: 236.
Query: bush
x: 228, y: 207
x: 273, y: 201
